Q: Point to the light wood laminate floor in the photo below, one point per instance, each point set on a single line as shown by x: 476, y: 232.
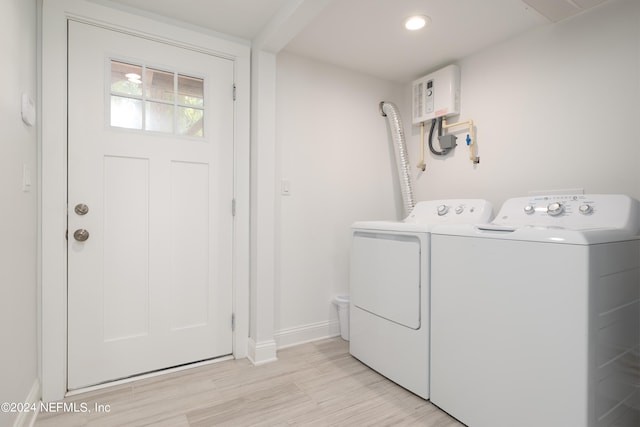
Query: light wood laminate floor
x: 314, y: 384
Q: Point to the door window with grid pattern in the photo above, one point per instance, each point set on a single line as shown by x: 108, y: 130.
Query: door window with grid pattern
x: 151, y: 99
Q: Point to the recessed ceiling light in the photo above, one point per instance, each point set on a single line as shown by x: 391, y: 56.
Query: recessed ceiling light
x: 416, y: 22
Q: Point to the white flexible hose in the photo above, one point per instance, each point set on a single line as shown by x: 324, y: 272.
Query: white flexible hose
x: 390, y: 111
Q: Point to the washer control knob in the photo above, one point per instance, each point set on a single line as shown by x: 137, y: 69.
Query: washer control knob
x: 555, y: 208
x: 443, y: 209
x: 459, y: 209
x: 529, y: 209
x: 585, y: 209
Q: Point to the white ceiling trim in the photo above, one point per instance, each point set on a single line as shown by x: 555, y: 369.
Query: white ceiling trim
x: 287, y: 23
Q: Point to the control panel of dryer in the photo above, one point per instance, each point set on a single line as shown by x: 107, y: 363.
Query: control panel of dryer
x: 581, y: 211
x: 452, y: 211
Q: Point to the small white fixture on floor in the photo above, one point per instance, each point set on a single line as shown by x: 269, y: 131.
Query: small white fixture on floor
x: 342, y: 302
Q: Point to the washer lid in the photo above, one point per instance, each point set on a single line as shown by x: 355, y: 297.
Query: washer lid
x: 551, y: 234
x: 531, y: 233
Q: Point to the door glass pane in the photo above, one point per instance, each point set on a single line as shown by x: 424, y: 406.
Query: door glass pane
x: 190, y: 91
x: 126, y: 112
x: 190, y: 121
x: 126, y: 78
x: 148, y: 98
x: 159, y: 117
x: 159, y: 85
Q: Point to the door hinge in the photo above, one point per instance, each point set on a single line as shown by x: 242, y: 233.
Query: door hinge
x: 233, y: 322
x: 233, y: 207
x: 234, y: 91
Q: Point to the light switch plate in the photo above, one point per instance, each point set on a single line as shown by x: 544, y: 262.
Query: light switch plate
x: 285, y: 187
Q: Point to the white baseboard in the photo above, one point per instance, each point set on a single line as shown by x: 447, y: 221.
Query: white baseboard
x: 265, y: 351
x: 305, y: 333
x: 261, y: 352
x: 28, y: 418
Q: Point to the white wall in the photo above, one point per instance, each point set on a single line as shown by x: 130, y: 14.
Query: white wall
x: 557, y: 108
x: 18, y: 358
x: 333, y: 148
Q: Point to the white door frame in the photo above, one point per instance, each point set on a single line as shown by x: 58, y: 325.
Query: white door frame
x: 52, y: 270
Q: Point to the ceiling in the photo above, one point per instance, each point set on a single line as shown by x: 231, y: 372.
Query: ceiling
x: 368, y: 35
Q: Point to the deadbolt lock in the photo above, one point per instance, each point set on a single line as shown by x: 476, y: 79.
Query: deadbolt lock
x: 81, y: 209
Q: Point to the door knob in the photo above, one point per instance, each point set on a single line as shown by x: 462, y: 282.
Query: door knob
x: 81, y: 235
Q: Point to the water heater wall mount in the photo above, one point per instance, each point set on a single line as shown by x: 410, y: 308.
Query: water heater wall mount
x: 437, y: 94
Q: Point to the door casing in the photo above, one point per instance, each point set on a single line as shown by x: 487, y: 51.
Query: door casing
x: 52, y: 274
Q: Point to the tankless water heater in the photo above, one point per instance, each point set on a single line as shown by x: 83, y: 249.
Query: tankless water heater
x: 437, y: 94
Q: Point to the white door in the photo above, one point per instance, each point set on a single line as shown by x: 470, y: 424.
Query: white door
x: 150, y: 157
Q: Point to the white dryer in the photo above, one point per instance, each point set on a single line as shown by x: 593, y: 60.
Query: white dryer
x: 536, y: 317
x: 389, y: 310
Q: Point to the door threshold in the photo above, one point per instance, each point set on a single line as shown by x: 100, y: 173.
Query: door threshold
x: 147, y: 375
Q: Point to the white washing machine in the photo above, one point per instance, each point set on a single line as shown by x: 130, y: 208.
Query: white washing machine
x: 389, y: 310
x: 536, y: 317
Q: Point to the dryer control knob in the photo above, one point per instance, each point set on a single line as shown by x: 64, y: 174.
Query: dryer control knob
x: 555, y: 208
x: 585, y: 209
x: 459, y: 209
x: 443, y: 209
x: 529, y: 209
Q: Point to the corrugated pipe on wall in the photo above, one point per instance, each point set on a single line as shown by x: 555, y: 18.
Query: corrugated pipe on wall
x: 390, y: 111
